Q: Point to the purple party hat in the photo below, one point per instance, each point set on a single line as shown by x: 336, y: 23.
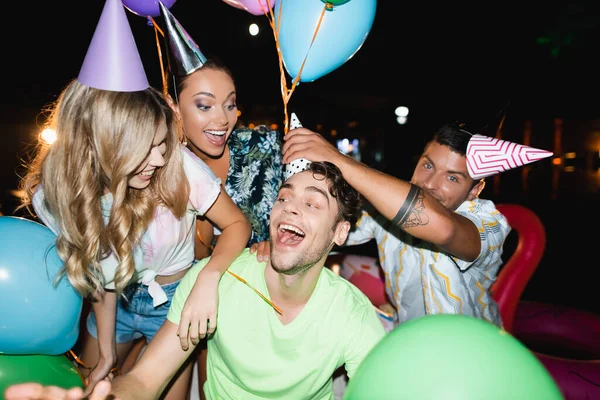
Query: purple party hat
x: 112, y: 61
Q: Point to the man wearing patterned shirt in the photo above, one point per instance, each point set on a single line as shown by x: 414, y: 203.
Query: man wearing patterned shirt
x: 439, y: 244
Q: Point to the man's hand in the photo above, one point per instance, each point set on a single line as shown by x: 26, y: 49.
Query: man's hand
x: 35, y: 391
x: 262, y: 250
x: 304, y: 143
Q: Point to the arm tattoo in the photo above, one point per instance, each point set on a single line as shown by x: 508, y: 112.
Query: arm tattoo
x: 412, y: 213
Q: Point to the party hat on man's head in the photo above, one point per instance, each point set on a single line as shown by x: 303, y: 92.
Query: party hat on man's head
x: 488, y: 156
x: 183, y: 53
x: 112, y: 61
x: 300, y: 164
x: 294, y: 121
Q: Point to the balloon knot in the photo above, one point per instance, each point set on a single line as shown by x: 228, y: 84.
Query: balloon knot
x: 329, y: 6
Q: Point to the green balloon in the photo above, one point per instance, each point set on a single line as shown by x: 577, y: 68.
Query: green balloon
x: 46, y: 370
x: 451, y: 357
x: 335, y: 2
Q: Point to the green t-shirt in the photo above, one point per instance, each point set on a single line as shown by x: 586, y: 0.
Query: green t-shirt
x: 252, y: 355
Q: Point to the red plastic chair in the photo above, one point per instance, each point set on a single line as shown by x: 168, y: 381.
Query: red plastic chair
x: 517, y: 271
x: 549, y: 331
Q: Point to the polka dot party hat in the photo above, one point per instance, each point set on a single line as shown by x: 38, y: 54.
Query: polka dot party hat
x: 299, y: 164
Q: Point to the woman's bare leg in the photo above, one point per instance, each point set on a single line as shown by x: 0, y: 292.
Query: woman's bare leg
x: 134, y: 354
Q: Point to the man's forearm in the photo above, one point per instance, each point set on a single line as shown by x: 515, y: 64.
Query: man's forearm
x: 407, y: 206
x: 395, y: 199
x: 130, y: 387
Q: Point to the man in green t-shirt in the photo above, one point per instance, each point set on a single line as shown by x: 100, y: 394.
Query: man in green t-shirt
x: 287, y: 341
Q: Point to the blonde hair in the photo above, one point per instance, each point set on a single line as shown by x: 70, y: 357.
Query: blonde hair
x: 102, y: 139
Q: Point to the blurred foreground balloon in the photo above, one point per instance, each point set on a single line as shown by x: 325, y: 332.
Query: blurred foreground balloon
x: 146, y: 8
x: 36, y: 316
x: 46, y: 370
x: 341, y: 33
x: 254, y: 7
x: 451, y: 357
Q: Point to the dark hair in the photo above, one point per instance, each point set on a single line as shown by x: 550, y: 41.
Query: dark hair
x: 348, y: 199
x: 454, y: 135
x: 211, y: 63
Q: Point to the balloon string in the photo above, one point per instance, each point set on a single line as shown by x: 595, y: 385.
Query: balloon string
x: 297, y: 79
x: 115, y: 370
x: 286, y: 93
x: 156, y: 27
x: 163, y: 74
x: 262, y: 296
x: 283, y: 82
x: 201, y: 239
x: 74, y: 356
x: 77, y: 359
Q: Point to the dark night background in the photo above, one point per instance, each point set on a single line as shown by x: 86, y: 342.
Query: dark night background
x: 444, y: 61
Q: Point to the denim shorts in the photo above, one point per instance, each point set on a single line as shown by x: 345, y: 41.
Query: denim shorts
x: 137, y: 316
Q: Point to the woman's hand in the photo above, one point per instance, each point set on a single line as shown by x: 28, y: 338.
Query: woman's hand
x: 262, y: 250
x: 105, y: 310
x: 199, y: 315
x: 102, y: 371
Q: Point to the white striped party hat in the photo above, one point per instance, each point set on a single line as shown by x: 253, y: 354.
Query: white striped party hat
x: 489, y: 156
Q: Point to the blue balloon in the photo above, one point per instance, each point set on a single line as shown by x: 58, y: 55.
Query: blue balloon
x: 342, y: 32
x: 36, y: 316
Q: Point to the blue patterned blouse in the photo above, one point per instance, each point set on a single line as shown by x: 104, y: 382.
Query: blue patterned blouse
x: 255, y: 175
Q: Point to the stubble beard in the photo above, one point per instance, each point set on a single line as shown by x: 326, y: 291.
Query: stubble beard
x: 301, y: 263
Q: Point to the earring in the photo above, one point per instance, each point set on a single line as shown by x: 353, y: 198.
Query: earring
x: 184, y: 138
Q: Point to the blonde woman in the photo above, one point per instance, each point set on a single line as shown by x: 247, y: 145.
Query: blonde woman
x: 122, y: 194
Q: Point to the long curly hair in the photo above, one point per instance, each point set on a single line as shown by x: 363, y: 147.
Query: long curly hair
x: 102, y: 139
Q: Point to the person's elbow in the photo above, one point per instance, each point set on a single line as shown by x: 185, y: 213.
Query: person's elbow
x: 445, y: 232
x: 246, y: 226
x: 459, y: 238
x: 242, y: 227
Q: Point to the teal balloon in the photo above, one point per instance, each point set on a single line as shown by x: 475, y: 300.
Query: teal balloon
x: 451, y: 357
x: 36, y: 316
x: 47, y: 370
x: 342, y: 32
